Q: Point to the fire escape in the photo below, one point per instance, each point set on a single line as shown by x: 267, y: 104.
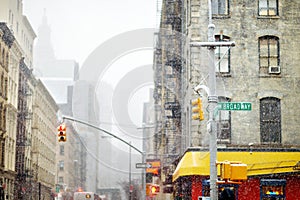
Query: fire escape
x: 167, y: 92
x: 22, y: 174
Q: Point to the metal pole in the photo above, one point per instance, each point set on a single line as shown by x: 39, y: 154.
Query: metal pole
x: 100, y: 129
x: 213, y: 103
x: 212, y: 100
x: 143, y: 178
x: 128, y: 143
x: 130, y: 188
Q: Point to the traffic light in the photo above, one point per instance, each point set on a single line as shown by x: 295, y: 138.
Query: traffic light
x: 197, y: 109
x: 238, y: 172
x: 62, y: 136
x: 233, y: 171
x: 152, y: 189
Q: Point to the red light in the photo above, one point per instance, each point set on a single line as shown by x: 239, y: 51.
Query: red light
x: 62, y: 137
x: 61, y: 127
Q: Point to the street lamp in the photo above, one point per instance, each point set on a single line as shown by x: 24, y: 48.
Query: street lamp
x: 110, y: 134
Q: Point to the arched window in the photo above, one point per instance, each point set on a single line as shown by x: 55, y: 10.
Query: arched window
x: 270, y: 120
x: 269, y: 58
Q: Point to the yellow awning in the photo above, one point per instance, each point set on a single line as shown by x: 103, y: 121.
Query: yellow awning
x: 258, y: 162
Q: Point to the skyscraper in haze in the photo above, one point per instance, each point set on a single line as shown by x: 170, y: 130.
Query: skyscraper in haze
x: 56, y: 74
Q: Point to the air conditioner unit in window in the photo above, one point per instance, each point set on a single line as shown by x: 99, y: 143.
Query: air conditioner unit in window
x: 274, y: 70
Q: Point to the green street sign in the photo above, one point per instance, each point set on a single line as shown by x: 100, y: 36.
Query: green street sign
x: 242, y: 106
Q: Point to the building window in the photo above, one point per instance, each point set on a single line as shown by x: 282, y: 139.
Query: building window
x: 3, y: 56
x: 270, y: 120
x: 222, y: 55
x: 3, y: 154
x: 1, y: 116
x: 62, y: 150
x: 60, y: 179
x: 224, y: 123
x: 268, y: 7
x: 220, y: 7
x: 269, y: 58
x: 61, y: 165
x: 225, y: 191
x: 272, y: 189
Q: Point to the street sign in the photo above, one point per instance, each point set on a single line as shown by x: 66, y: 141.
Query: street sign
x: 143, y: 165
x: 239, y: 106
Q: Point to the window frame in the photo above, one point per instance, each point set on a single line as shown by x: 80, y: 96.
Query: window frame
x: 61, y: 150
x: 270, y: 119
x: 218, y: 51
x: 223, y: 122
x: 268, y: 58
x: 267, y: 8
x: 226, y: 8
x: 61, y: 165
x: 272, y: 183
x: 60, y: 179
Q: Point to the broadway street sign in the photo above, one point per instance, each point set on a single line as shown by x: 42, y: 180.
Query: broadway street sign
x: 143, y: 165
x: 243, y: 106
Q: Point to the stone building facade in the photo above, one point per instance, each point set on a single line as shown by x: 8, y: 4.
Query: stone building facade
x: 6, y: 42
x: 261, y: 69
x: 44, y: 142
x: 15, y: 56
x: 18, y: 115
x: 28, y: 141
x: 70, y: 175
x: 11, y: 12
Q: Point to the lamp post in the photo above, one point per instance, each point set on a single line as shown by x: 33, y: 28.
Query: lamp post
x: 108, y: 133
x: 212, y: 100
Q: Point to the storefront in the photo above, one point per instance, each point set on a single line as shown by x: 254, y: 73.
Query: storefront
x: 272, y: 174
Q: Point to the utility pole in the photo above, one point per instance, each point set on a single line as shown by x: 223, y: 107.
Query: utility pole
x: 213, y: 103
x: 212, y: 100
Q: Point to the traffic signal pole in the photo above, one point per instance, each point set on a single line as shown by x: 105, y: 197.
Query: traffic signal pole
x: 118, y: 138
x: 212, y: 100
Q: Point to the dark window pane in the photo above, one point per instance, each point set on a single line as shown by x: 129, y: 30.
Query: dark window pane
x: 270, y: 120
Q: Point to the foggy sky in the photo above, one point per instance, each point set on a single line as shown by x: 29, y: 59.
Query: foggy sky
x: 78, y: 26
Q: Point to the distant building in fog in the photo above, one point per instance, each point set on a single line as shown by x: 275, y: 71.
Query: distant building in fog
x: 59, y: 76
x: 56, y: 74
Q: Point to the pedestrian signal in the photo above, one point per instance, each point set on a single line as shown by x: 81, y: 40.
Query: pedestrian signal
x: 152, y: 189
